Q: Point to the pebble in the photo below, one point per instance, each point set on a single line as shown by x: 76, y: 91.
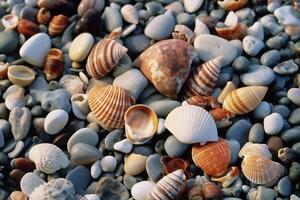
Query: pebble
x: 241, y: 64
x: 291, y: 135
x: 17, y: 150
x: 286, y: 68
x: 138, y: 191
x: 270, y: 58
x: 108, y: 163
x: 161, y: 126
x: 129, y: 181
x: 256, y: 133
x: 112, y: 138
x: 2, y: 142
x: 91, y: 197
x: 174, y: 147
x: 239, y: 131
x: 273, y: 124
x: 282, y: 110
x: 136, y: 43
x: 112, y: 18
x: 153, y: 167
x: 286, y: 15
x: 84, y: 154
x: 294, y: 95
x: 262, y: 110
x: 296, y: 148
x: 234, y: 149
x: 19, y: 119
x: 258, y: 75
x: 80, y: 177
x: 96, y: 169
x: 163, y: 107
x: 185, y: 19
x: 73, y: 84
x: 8, y: 41
x: 123, y: 146
x: 192, y: 6
x: 264, y: 193
x: 284, y: 186
x: 29, y: 182
x: 257, y: 31
x: 111, y: 188
x: 81, y: 46
x: 294, y: 172
x: 252, y: 46
x: 55, y: 121
x: 38, y: 87
x: 295, y: 117
x: 57, y: 99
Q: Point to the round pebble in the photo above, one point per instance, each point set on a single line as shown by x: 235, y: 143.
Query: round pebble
x: 81, y: 46
x: 55, y: 121
x: 273, y: 124
x: 234, y: 149
x: 256, y: 133
x: 258, y: 75
x: 174, y: 147
x: 153, y: 167
x: 286, y: 68
x: 239, y: 131
x: 284, y: 186
x: 108, y: 163
x: 123, y: 146
x: 295, y: 117
x: 262, y: 110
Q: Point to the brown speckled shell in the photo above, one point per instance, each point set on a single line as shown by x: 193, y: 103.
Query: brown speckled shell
x: 238, y: 31
x: 167, y: 65
x: 27, y: 27
x: 232, y: 4
x: 54, y: 64
x: 57, y: 25
x: 44, y: 16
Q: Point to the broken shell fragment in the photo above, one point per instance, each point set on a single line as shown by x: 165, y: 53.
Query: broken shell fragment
x: 21, y: 75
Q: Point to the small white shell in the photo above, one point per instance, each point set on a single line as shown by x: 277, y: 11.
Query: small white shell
x: 80, y: 105
x: 255, y: 149
x: 183, y: 32
x: 130, y: 14
x: 10, y: 21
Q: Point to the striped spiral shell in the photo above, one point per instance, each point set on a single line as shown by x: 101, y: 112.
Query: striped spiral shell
x: 57, y: 25
x: 54, y: 64
x: 183, y: 32
x: 44, y: 16
x: 130, y: 14
x: 27, y: 27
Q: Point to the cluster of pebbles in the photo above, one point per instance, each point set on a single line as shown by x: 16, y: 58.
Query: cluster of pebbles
x: 149, y: 100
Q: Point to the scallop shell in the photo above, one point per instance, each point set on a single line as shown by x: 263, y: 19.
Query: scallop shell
x: 202, y: 101
x: 167, y: 65
x: 21, y: 75
x: 232, y: 4
x: 169, y: 187
x: 104, y: 56
x: 10, y: 21
x: 57, y: 25
x: 183, y: 32
x: 54, y: 64
x: 170, y: 164
x: 202, y: 81
x: 245, y: 99
x: 27, y: 27
x: 239, y: 31
x: 48, y: 158
x: 226, y: 90
x: 140, y: 124
x: 109, y: 105
x: 191, y: 124
x: 231, y: 175
x: 3, y: 70
x: 261, y: 170
x: 255, y: 149
x: 44, y: 16
x: 80, y: 105
x: 51, y: 4
x: 130, y: 14
x: 134, y: 164
x: 213, y: 158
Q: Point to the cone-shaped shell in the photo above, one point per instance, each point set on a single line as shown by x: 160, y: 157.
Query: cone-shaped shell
x: 239, y: 31
x: 202, y: 81
x: 57, y: 25
x: 213, y: 158
x: 140, y: 124
x: 130, y: 14
x: 261, y: 170
x: 54, y: 64
x: 191, y: 124
x: 104, y: 56
x: 167, y: 65
x: 169, y: 187
x: 109, y: 105
x: 255, y: 149
x: 21, y: 75
x: 245, y: 99
x: 232, y: 4
x: 44, y: 16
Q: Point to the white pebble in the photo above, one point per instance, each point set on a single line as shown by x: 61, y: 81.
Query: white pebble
x: 96, y: 169
x: 273, y: 124
x: 55, y: 121
x: 29, y: 182
x: 161, y: 126
x: 108, y: 163
x: 123, y: 146
x: 91, y: 197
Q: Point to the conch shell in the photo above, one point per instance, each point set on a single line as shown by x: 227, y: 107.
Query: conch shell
x: 232, y: 4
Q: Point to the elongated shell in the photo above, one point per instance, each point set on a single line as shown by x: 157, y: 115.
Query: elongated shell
x: 44, y: 16
x: 109, y: 105
x: 169, y: 187
x: 232, y: 4
x: 213, y: 158
x: 10, y: 21
x: 255, y: 149
x: 261, y: 170
x: 245, y: 99
x: 130, y: 14
x: 21, y: 75
x: 104, y: 56
x: 191, y: 124
x: 183, y: 32
x: 54, y: 64
x: 202, y: 81
x: 239, y: 31
x: 57, y: 25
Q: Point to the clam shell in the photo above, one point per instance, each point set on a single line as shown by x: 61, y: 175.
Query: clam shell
x: 50, y: 4
x: 213, y: 158
x: 57, y: 25
x: 10, y: 21
x: 21, y: 75
x: 140, y: 124
x: 104, y: 56
x: 239, y: 31
x: 44, y: 16
x: 232, y: 4
x: 3, y: 70
x: 183, y: 32
x: 109, y: 105
x: 255, y: 149
x: 245, y: 99
x: 134, y: 164
x: 202, y: 81
x: 231, y: 175
x: 54, y: 64
x: 191, y: 124
x: 27, y: 27
x: 261, y: 170
x: 80, y: 105
x: 130, y: 14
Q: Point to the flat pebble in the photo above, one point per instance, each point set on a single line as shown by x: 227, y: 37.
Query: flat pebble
x: 234, y: 149
x: 284, y: 186
x: 138, y: 191
x: 84, y: 154
x: 239, y: 131
x: 296, y: 148
x: 264, y: 193
x: 112, y: 18
x: 270, y: 58
x: 8, y: 41
x: 287, y: 15
x: 123, y: 146
x: 136, y: 43
x: 256, y: 133
x: 17, y: 150
x: 29, y: 182
x: 252, y: 46
x: 129, y: 181
x: 241, y: 64
x: 282, y: 110
x: 258, y: 75
x: 57, y: 99
x: 96, y: 169
x: 55, y: 121
x: 256, y: 30
x: 161, y: 126
x: 262, y: 110
x: 294, y: 95
x: 273, y: 124
x: 108, y: 163
x: 295, y: 117
x: 153, y: 167
x: 80, y: 177
x: 286, y: 68
x: 294, y: 172
x: 81, y: 46
x: 163, y: 107
x: 174, y: 147
x: 291, y: 135
x: 192, y: 5
x: 19, y: 119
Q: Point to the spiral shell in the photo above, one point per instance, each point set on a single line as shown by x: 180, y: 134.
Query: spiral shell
x: 27, y: 27
x: 10, y: 21
x: 44, y: 16
x: 183, y: 32
x: 51, y: 4
x: 54, y: 64
x: 239, y: 31
x: 57, y: 25
x: 232, y: 4
x: 104, y: 56
x: 245, y: 99
x: 130, y: 14
x: 3, y: 70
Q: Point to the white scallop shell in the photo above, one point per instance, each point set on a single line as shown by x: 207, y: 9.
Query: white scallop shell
x: 255, y: 149
x: 130, y: 14
x: 191, y: 124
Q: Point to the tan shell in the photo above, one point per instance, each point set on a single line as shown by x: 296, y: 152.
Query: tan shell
x: 202, y: 101
x: 130, y: 14
x: 57, y: 25
x: 44, y: 16
x: 255, y: 149
x: 21, y: 75
x: 183, y: 32
x: 239, y: 31
x: 3, y: 70
x: 230, y: 176
x: 54, y: 64
x: 134, y: 164
x: 229, y: 87
x: 245, y: 99
x: 232, y: 4
x: 10, y: 21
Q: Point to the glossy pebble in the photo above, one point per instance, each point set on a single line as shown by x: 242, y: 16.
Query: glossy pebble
x: 55, y: 121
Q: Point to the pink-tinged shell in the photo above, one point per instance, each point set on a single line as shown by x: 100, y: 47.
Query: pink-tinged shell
x: 213, y: 157
x: 54, y: 64
x: 3, y: 70
x: 104, y: 56
x: 261, y: 170
x: 239, y: 31
x: 167, y: 65
x: 170, y: 164
x: 10, y: 21
x: 220, y: 114
x: 130, y: 14
x: 57, y: 25
x: 183, y: 32
x: 230, y: 176
x: 109, y: 105
x: 202, y: 81
x: 232, y: 4
x: 245, y: 99
x: 255, y: 149
x: 202, y: 101
x: 27, y: 27
x: 44, y: 16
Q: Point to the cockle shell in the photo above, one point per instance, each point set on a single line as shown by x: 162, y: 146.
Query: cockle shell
x: 170, y: 164
x: 21, y: 75
x: 169, y: 187
x: 140, y: 124
x: 202, y: 101
x: 202, y: 81
x: 3, y: 70
x: 54, y: 64
x: 231, y: 175
x: 80, y: 106
x: 191, y: 124
x: 48, y: 158
x: 261, y: 170
x: 10, y: 21
x: 44, y: 16
x: 57, y: 25
x: 167, y: 65
x: 130, y: 14
x: 245, y: 99
x: 239, y: 31
x: 134, y: 164
x: 109, y: 105
x: 255, y: 149
x: 27, y: 27
x: 183, y: 32
x: 232, y: 4
x: 213, y: 158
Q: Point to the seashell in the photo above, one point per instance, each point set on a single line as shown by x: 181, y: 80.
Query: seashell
x: 170, y: 60
x: 48, y: 158
x: 196, y: 192
x: 51, y: 4
x: 231, y: 175
x: 261, y: 170
x: 170, y: 164
x: 183, y: 32
x: 16, y: 99
x: 89, y: 22
x: 130, y: 14
x: 55, y: 189
x: 80, y: 105
x: 109, y: 105
x: 202, y: 81
x: 104, y: 56
x: 211, y: 191
x: 221, y: 117
x: 239, y: 31
x: 10, y: 21
x: 54, y: 64
x: 213, y: 158
x: 85, y: 5
x: 57, y: 25
x: 255, y: 149
x: 231, y: 19
x: 202, y: 101
x: 232, y: 4
x: 191, y: 124
x: 44, y: 16
x: 27, y: 27
x: 140, y: 124
x: 21, y: 75
x: 226, y: 90
x: 134, y: 164
x: 17, y: 195
x: 245, y: 99
x: 169, y: 187
x: 3, y: 70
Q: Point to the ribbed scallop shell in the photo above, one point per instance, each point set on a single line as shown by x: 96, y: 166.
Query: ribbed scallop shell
x: 202, y: 81
x: 169, y: 187
x: 104, y: 56
x: 232, y: 4
x: 213, y: 158
x: 57, y: 25
x: 54, y: 64
x: 27, y: 27
x: 50, y: 4
x: 239, y: 31
x: 245, y: 99
x: 183, y: 32
x: 191, y: 124
x: 255, y: 149
x: 130, y: 14
x: 44, y: 16
x: 109, y: 105
x: 261, y: 170
x: 10, y: 21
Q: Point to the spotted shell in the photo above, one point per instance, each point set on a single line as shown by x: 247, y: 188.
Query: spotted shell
x: 232, y: 4
x: 54, y: 64
x: 255, y: 149
x: 130, y: 14
x: 57, y: 25
x: 27, y: 27
x: 261, y: 170
x: 239, y: 31
x: 245, y: 99
x: 10, y: 21
x: 109, y: 105
x: 44, y: 16
x: 213, y: 157
x: 183, y: 32
x: 167, y: 65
